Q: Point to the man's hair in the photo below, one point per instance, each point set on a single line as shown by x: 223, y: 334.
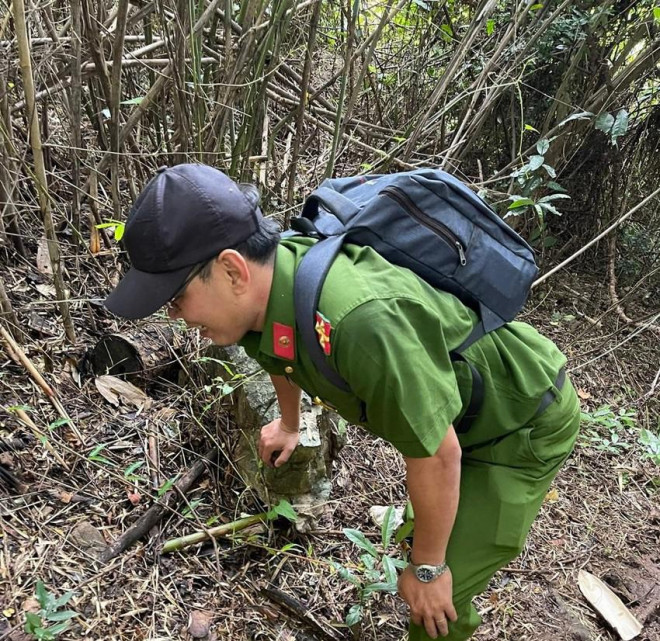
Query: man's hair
x: 261, y: 245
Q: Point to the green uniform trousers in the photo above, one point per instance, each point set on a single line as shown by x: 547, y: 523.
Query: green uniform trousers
x: 503, y: 484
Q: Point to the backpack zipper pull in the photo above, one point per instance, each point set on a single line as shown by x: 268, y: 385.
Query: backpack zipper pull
x: 461, y: 253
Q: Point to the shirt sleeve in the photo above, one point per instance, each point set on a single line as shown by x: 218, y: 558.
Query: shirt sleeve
x: 392, y: 352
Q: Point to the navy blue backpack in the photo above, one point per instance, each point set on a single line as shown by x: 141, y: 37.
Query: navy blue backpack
x: 430, y: 222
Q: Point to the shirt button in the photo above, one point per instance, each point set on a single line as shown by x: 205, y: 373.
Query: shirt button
x: 288, y: 369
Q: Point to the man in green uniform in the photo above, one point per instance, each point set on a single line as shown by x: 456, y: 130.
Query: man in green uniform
x: 199, y: 244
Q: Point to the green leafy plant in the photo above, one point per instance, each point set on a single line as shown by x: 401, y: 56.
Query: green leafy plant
x: 608, y: 429
x: 96, y: 456
x: 613, y: 126
x: 377, y: 571
x: 116, y: 225
x: 36, y: 622
x: 651, y: 442
x: 534, y: 176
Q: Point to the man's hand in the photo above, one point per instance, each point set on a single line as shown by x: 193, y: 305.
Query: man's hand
x: 430, y: 603
x: 279, y: 439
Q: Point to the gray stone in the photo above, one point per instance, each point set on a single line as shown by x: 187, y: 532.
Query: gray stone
x: 304, y: 480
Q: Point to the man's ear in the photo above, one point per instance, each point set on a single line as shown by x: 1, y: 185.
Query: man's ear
x: 235, y: 269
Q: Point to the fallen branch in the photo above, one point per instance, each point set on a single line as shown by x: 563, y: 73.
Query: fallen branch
x: 301, y: 612
x: 156, y: 512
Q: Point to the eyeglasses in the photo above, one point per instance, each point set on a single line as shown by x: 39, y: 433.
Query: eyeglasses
x: 182, y: 290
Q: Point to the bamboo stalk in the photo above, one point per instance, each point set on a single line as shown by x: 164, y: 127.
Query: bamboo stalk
x: 221, y: 530
x: 76, y: 115
x: 300, y: 118
x: 449, y: 76
x: 39, y: 166
x: 115, y: 98
x: 353, y: 13
x: 156, y: 512
x: 364, y: 66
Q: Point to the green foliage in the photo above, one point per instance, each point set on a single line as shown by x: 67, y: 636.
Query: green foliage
x: 651, y: 443
x: 283, y: 508
x: 129, y: 472
x: 377, y: 571
x: 613, y: 126
x: 58, y: 423
x: 167, y: 486
x: 36, y: 624
x: 535, y: 177
x: 97, y: 457
x: 608, y: 430
x: 222, y: 386
x: 116, y: 225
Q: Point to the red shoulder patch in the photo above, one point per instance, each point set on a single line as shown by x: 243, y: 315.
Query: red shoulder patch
x: 284, y: 342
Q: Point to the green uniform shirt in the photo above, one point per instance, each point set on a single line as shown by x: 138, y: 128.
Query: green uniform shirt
x: 390, y: 335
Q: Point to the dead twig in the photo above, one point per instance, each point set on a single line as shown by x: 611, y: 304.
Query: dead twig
x: 301, y: 612
x: 18, y: 355
x: 156, y: 512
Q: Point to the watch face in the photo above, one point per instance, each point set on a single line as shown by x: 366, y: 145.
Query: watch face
x: 425, y: 574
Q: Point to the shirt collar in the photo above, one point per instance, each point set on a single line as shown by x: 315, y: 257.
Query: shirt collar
x: 280, y: 320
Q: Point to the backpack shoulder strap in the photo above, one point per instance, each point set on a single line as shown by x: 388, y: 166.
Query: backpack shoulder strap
x: 307, y: 286
x: 477, y: 397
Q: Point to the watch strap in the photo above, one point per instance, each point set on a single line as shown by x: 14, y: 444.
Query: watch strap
x: 436, y: 570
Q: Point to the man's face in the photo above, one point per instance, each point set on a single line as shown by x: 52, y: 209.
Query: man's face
x: 221, y: 306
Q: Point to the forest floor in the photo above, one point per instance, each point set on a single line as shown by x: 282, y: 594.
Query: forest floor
x: 602, y: 513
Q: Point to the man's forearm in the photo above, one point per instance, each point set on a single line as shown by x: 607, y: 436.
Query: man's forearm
x: 434, y: 486
x: 288, y: 398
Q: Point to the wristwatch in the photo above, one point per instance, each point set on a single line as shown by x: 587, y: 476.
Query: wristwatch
x: 427, y: 573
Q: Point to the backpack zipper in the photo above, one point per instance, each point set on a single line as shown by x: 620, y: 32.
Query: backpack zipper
x: 442, y: 230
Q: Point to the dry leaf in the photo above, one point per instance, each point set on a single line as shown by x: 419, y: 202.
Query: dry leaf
x: 30, y: 605
x: 46, y: 290
x: 199, y: 623
x: 43, y: 257
x: 87, y: 536
x: 552, y: 496
x: 609, y: 606
x: 66, y: 497
x: 583, y: 395
x: 116, y: 391
x: 377, y: 514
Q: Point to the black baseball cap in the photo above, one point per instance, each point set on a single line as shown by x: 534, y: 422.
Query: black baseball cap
x: 185, y: 215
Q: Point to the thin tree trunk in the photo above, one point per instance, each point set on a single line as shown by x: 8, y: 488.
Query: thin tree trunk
x: 76, y: 116
x: 115, y: 99
x: 300, y: 120
x: 39, y: 167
